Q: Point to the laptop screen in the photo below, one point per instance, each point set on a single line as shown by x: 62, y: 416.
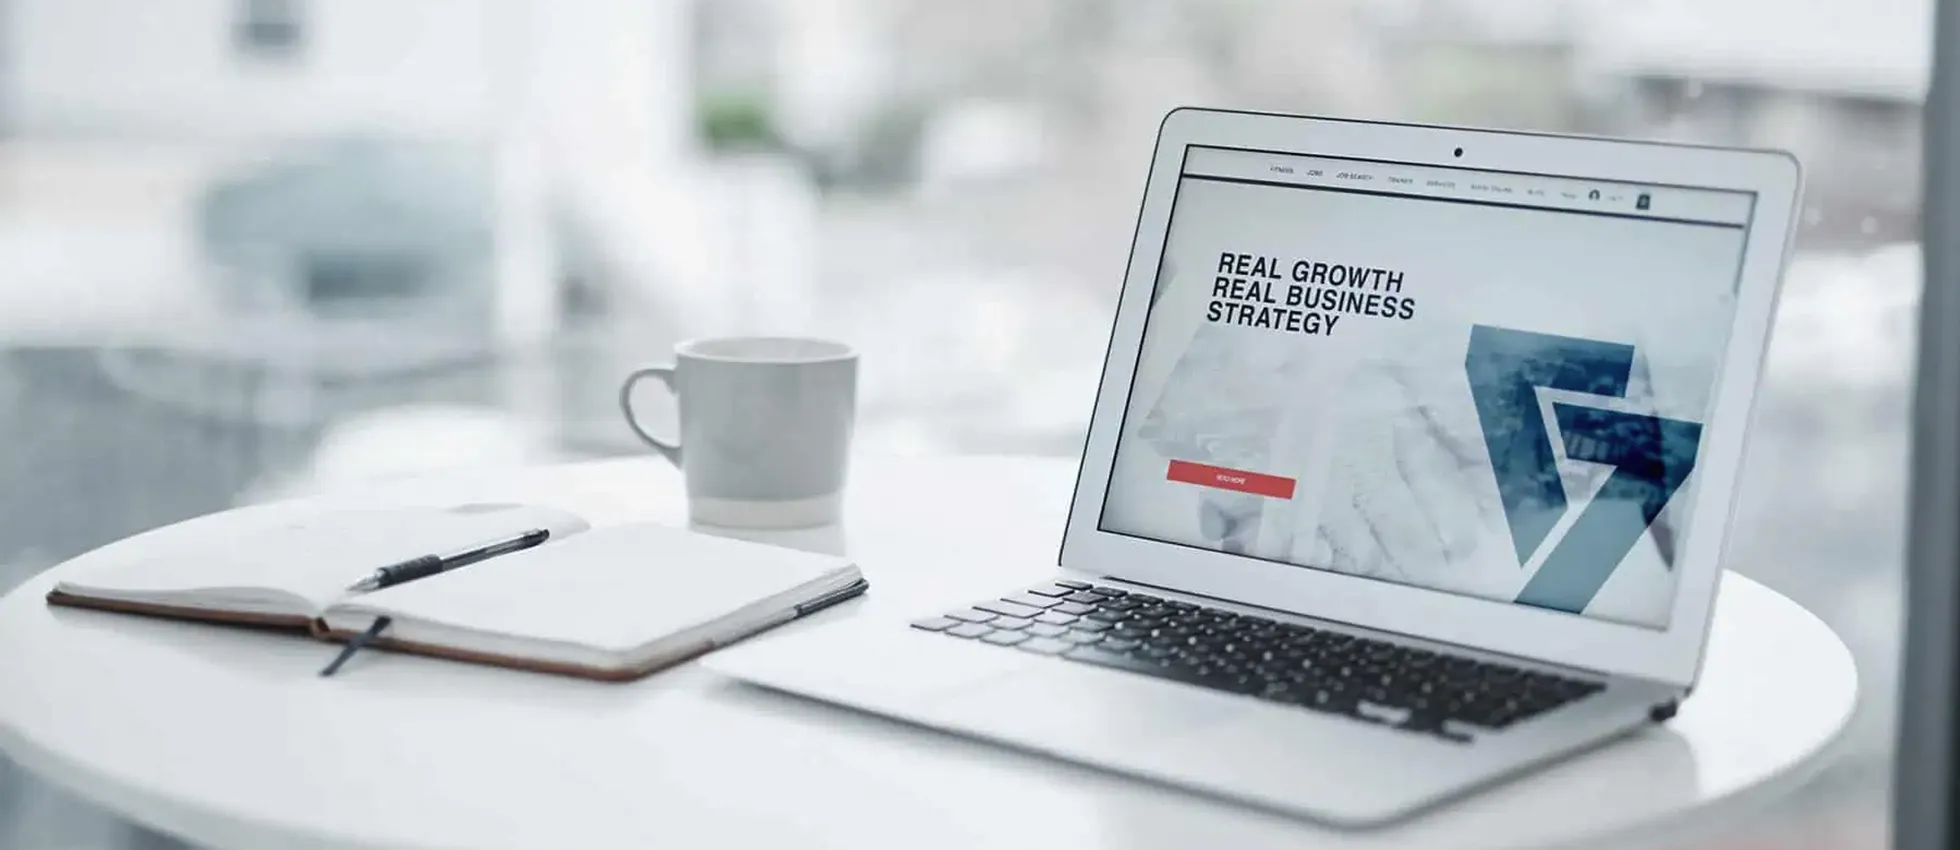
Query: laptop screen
x: 1490, y: 384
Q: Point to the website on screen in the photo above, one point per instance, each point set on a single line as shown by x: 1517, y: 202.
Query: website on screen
x: 1480, y: 383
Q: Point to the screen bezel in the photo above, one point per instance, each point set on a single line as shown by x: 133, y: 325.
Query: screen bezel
x: 1670, y: 655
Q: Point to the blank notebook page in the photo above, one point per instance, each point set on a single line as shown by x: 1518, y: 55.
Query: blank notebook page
x: 315, y: 556
x: 612, y: 589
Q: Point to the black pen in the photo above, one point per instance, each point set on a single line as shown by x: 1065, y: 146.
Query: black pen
x: 429, y: 565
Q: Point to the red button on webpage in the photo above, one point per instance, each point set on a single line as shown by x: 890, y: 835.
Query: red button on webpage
x: 1206, y: 475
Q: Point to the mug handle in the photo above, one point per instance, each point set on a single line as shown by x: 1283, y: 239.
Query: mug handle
x: 670, y: 449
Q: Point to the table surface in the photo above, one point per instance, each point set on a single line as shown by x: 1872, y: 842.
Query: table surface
x: 228, y: 738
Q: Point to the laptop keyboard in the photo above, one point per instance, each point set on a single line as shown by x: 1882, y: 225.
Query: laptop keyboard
x: 1419, y: 690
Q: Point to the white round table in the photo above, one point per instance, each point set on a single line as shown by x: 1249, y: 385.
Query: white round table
x: 229, y: 739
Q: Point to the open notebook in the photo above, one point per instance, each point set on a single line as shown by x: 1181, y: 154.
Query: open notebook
x: 612, y: 603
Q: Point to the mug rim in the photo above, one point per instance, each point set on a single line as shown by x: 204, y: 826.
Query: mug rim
x: 837, y: 351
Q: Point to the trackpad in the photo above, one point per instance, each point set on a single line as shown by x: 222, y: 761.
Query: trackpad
x: 1061, y: 703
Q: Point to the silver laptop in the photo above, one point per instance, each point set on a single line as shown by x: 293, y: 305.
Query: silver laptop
x: 1411, y: 467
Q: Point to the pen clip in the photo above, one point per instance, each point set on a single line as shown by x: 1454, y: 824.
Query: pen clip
x: 357, y: 643
x: 842, y: 594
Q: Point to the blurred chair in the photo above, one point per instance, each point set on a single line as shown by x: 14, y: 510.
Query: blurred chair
x: 360, y: 228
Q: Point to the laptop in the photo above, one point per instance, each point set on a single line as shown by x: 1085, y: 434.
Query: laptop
x: 1411, y: 468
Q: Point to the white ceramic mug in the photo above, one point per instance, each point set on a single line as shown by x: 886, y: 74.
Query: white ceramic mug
x: 765, y: 428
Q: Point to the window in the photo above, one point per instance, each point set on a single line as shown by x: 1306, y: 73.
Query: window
x: 536, y: 194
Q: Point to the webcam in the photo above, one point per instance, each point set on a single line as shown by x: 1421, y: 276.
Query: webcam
x: 1459, y: 151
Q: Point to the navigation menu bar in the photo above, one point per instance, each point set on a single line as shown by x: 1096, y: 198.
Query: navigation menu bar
x: 1711, y: 206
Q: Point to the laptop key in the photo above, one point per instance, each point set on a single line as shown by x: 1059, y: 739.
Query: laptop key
x: 1075, y: 608
x: 1082, y: 637
x: 1047, y: 630
x: 1332, y: 701
x: 1008, y: 609
x: 1444, y: 731
x: 968, y: 630
x: 1385, y: 713
x: 1102, y: 656
x: 1055, y: 618
x: 1033, y: 600
x: 1005, y: 638
x: 1050, y: 590
x: 972, y: 616
x: 1045, y: 645
x: 1010, y: 623
x: 1089, y: 626
x: 1073, y: 585
x: 1086, y: 597
x: 935, y: 624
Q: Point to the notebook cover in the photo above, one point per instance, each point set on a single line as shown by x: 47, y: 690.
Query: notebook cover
x: 511, y: 662
x: 602, y: 674
x: 180, y: 612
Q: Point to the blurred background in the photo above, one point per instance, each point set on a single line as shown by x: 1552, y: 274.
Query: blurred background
x: 252, y: 248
